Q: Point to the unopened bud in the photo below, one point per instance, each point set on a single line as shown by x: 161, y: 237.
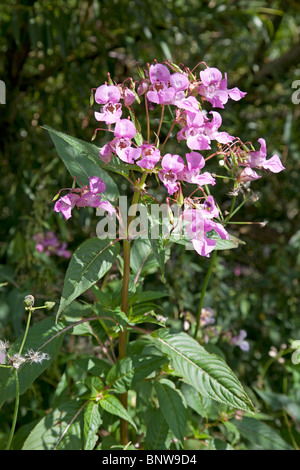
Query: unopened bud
x: 49, y: 305
x: 29, y: 301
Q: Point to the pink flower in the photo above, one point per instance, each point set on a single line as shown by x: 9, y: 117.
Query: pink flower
x: 105, y: 153
x: 207, y: 316
x: 200, y: 223
x: 125, y: 129
x: 161, y: 93
x: 239, y: 340
x: 88, y: 196
x: 258, y: 159
x: 172, y: 165
x: 214, y: 88
x: 122, y: 147
x: 107, y: 94
x: 179, y: 81
x: 211, y: 129
x: 191, y: 172
x: 159, y: 73
x: 65, y: 204
x: 150, y: 156
x: 110, y: 113
x: 166, y: 88
x: 129, y: 97
x: 97, y: 185
x: 248, y: 175
x: 48, y: 243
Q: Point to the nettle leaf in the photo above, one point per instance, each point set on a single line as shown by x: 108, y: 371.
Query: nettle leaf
x: 91, y: 424
x: 131, y: 370
x: 112, y: 405
x: 158, y: 436
x: 89, y: 263
x: 263, y: 437
x: 173, y: 407
x: 207, y: 373
x: 82, y: 160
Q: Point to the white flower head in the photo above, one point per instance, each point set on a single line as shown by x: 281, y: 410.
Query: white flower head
x: 36, y: 357
x: 4, y: 345
x: 17, y: 360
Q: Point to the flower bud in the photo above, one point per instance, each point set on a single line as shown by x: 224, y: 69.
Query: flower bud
x: 29, y: 301
x: 49, y: 305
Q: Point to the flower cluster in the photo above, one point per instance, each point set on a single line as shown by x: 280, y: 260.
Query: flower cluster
x: 48, y: 243
x: 183, y: 93
x: 87, y: 196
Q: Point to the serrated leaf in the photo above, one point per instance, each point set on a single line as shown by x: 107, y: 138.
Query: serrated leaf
x: 112, y: 405
x: 207, y: 373
x: 158, y: 436
x: 91, y: 424
x: 89, y: 263
x: 60, y: 429
x: 131, y: 370
x: 261, y: 435
x: 82, y: 160
x: 173, y: 407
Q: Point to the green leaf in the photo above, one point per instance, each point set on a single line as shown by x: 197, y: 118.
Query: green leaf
x: 38, y: 335
x: 221, y: 244
x: 142, y: 258
x: 60, y: 429
x: 82, y: 160
x: 207, y: 373
x: 261, y: 435
x: 172, y: 406
x: 112, y: 405
x: 89, y: 263
x: 203, y: 406
x: 120, y: 375
x: 91, y: 424
x: 131, y: 370
x: 158, y: 432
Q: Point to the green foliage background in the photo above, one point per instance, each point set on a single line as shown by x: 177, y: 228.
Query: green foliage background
x: 52, y: 53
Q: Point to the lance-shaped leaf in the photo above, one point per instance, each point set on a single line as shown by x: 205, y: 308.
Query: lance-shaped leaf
x: 207, y: 373
x: 89, y: 263
x: 173, y: 407
x: 263, y: 437
x: 60, y: 429
x: 82, y: 160
x: 112, y: 405
x: 82, y: 157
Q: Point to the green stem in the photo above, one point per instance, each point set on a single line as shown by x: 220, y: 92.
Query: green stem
x: 26, y: 330
x: 124, y: 303
x: 13, y: 426
x: 205, y: 284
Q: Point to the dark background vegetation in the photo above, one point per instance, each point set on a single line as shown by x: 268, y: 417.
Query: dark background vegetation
x: 53, y: 52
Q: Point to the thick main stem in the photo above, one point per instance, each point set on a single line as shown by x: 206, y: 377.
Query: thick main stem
x: 124, y: 303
